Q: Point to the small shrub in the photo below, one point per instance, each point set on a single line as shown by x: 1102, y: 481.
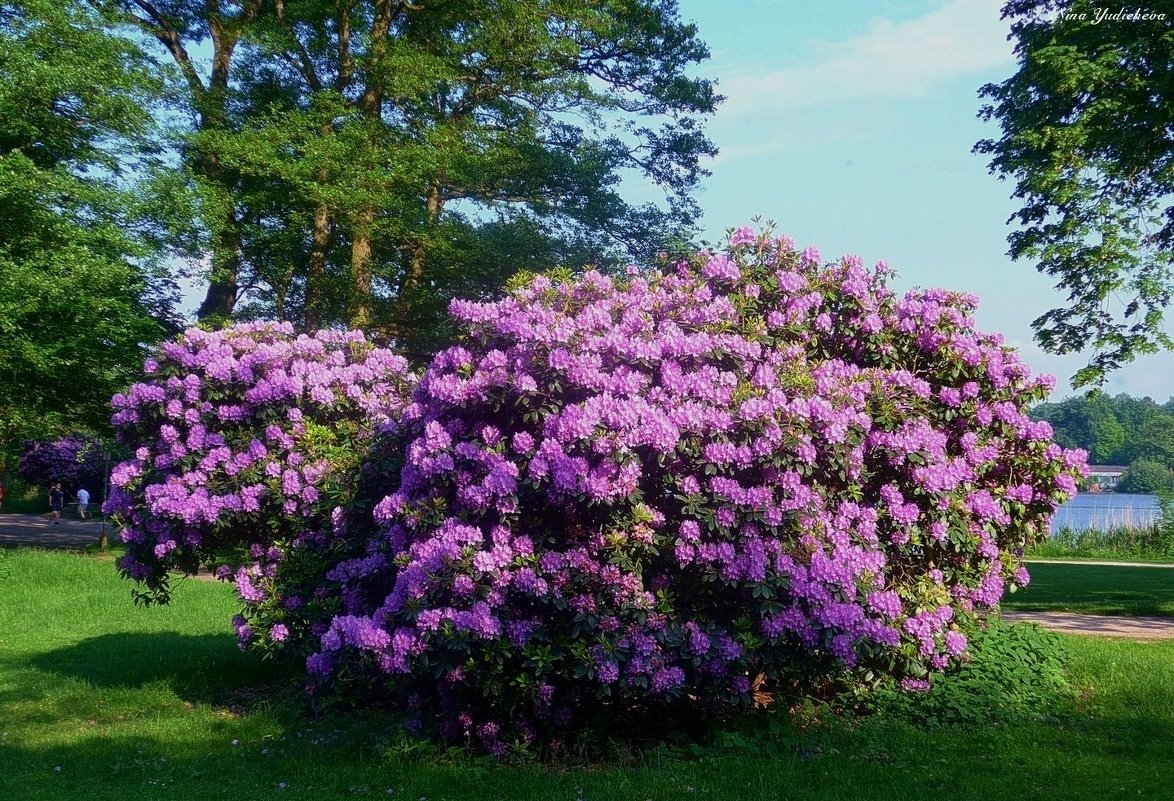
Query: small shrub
x: 1012, y: 672
x: 76, y: 460
x: 1147, y: 476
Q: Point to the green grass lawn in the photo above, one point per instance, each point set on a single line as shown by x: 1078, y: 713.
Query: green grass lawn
x: 1096, y: 590
x: 101, y: 700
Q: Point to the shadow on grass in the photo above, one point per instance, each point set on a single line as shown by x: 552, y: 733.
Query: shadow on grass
x: 204, y: 668
x: 245, y: 759
x: 258, y: 757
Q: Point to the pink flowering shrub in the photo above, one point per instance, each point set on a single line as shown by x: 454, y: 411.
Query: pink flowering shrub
x: 245, y: 443
x: 747, y: 470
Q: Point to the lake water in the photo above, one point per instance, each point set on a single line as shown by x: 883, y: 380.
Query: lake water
x: 1102, y: 510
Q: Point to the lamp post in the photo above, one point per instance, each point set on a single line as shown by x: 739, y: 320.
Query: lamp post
x: 104, y: 538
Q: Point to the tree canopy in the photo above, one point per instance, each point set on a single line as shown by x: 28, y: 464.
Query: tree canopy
x: 1146, y: 475
x: 1088, y: 138
x: 362, y: 162
x: 1114, y: 430
x: 78, y: 305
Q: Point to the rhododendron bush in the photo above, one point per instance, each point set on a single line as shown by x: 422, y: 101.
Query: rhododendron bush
x: 692, y: 486
x: 76, y: 461
x: 248, y: 439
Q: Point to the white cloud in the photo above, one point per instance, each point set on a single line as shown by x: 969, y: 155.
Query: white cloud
x: 889, y: 62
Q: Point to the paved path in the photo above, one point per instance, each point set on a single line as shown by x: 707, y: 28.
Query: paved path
x: 1134, y: 628
x: 36, y: 531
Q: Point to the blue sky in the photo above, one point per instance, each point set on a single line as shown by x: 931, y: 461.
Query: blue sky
x: 850, y: 124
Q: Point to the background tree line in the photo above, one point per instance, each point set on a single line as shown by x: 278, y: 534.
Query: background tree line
x: 1118, y: 430
x: 326, y: 162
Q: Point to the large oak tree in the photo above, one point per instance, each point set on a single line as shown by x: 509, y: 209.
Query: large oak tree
x: 376, y: 157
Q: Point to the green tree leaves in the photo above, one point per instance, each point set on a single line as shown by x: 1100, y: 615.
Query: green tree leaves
x: 1088, y: 137
x: 77, y: 303
x: 1114, y: 430
x: 362, y: 161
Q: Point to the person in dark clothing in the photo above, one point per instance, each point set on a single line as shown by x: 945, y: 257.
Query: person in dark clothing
x: 56, y: 502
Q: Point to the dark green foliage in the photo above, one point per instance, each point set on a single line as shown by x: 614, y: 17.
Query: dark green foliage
x: 1157, y: 440
x: 364, y: 163
x: 77, y: 304
x: 1087, y: 138
x: 1014, y: 673
x: 1114, y: 430
x: 1146, y: 475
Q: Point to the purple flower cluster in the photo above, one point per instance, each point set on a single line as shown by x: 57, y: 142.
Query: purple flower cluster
x: 246, y: 438
x: 748, y: 466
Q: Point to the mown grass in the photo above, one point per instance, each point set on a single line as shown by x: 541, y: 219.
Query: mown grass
x: 1096, y: 590
x: 101, y: 700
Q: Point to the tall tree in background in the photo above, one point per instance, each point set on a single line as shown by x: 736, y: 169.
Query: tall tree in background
x: 78, y: 303
x: 413, y: 150
x: 1089, y: 422
x: 180, y: 27
x: 1088, y: 137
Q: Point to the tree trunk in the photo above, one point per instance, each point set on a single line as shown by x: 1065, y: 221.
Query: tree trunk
x: 209, y: 101
x: 415, y: 274
x: 218, y: 302
x: 361, y: 269
x: 316, y: 269
x: 223, y: 283
x: 370, y: 105
x: 224, y: 279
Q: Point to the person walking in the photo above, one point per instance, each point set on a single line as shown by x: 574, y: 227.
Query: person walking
x: 56, y: 501
x: 83, y: 502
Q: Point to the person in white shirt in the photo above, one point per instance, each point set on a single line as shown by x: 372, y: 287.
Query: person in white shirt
x: 83, y: 502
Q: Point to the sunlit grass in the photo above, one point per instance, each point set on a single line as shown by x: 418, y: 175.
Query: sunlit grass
x: 1096, y: 590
